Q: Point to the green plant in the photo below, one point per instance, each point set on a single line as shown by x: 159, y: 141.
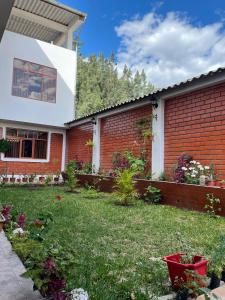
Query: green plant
x: 152, y: 195
x: 4, y: 145
x: 71, y: 180
x: 217, y: 262
x: 48, y: 179
x: 193, y: 284
x: 89, y: 143
x: 137, y: 165
x: 125, y: 186
x: 212, y: 205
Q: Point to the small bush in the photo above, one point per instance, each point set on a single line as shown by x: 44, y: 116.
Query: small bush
x: 152, y: 195
x: 125, y: 186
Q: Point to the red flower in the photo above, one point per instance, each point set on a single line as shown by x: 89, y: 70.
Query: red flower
x: 58, y: 197
x: 5, y: 211
x: 37, y: 223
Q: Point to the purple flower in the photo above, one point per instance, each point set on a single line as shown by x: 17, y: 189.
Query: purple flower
x: 49, y: 265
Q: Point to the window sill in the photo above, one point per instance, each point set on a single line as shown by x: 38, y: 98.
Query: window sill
x: 25, y: 160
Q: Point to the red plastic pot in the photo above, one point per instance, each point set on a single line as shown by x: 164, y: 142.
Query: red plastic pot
x: 177, y: 269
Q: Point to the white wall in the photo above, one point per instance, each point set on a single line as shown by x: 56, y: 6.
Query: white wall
x: 27, y: 110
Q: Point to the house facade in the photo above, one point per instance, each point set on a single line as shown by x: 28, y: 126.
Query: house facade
x: 37, y: 83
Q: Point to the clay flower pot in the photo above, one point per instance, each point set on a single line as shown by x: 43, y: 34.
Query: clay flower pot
x: 2, y: 221
x: 12, y: 179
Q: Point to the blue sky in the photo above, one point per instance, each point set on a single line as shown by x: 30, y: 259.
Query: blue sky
x: 170, y: 39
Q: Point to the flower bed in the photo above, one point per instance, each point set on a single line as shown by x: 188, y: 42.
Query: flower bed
x: 181, y: 195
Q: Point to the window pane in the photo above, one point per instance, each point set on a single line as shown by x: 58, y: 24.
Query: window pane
x: 40, y: 149
x: 42, y: 135
x: 11, y: 132
x: 49, y: 90
x: 27, y: 148
x: 14, y: 150
x: 34, y: 81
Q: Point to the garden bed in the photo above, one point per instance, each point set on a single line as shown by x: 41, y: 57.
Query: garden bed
x: 181, y: 195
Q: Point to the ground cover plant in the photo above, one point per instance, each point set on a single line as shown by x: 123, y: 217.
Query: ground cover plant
x: 116, y: 251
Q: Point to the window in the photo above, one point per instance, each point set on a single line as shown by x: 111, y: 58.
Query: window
x: 34, y: 81
x: 26, y: 143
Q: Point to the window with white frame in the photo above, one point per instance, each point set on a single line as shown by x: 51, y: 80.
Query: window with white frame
x: 34, y: 81
x: 25, y: 143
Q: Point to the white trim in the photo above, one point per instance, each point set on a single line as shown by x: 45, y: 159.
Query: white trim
x: 63, y: 153
x: 96, y: 147
x: 158, y: 140
x: 38, y: 20
x: 49, y: 131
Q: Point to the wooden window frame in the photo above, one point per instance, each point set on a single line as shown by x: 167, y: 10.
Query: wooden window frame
x: 21, y: 139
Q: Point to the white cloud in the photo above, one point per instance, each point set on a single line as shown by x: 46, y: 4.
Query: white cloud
x: 170, y: 49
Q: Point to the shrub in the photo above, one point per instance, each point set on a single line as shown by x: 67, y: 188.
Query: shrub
x: 71, y: 180
x: 152, y: 195
x: 212, y: 205
x: 125, y: 186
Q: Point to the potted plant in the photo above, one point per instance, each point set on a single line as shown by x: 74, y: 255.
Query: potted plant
x: 179, y: 263
x: 12, y: 179
x: 31, y: 178
x: 57, y: 176
x: 213, y: 178
x: 25, y: 178
x: 2, y: 221
x: 41, y: 178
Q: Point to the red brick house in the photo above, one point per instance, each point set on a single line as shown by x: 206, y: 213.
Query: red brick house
x: 37, y: 96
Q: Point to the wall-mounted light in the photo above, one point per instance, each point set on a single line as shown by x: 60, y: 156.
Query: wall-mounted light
x: 154, y: 101
x: 93, y: 121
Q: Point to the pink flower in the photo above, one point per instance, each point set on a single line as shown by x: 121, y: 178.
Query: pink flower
x: 5, y: 211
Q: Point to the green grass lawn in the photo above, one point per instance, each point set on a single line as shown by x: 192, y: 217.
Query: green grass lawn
x: 119, y: 249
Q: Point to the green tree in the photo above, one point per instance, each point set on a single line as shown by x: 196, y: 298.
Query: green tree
x: 99, y: 85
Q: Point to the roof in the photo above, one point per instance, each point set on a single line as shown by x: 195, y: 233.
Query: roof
x: 152, y: 97
x: 53, y: 19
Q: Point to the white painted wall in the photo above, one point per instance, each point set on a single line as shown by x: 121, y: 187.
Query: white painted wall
x: 14, y: 108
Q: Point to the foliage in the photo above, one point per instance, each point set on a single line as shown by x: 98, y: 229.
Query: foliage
x: 99, y: 85
x: 189, y: 171
x: 183, y: 161
x: 119, y: 161
x: 89, y: 143
x: 217, y: 262
x: 4, y: 145
x: 71, y: 180
x: 212, y: 205
x: 125, y: 186
x: 48, y: 179
x: 137, y: 164
x: 193, y: 284
x: 152, y: 195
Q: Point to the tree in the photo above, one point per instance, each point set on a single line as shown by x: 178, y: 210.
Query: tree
x: 99, y: 85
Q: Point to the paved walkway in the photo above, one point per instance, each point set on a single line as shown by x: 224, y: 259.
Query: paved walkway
x: 12, y: 286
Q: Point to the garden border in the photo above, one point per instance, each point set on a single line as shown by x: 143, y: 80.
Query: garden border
x: 188, y: 196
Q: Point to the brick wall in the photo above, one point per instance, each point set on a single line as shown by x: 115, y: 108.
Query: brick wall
x: 53, y: 166
x: 76, y: 139
x: 119, y: 133
x: 195, y: 124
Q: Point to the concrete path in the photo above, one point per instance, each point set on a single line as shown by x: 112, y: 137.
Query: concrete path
x: 12, y: 286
